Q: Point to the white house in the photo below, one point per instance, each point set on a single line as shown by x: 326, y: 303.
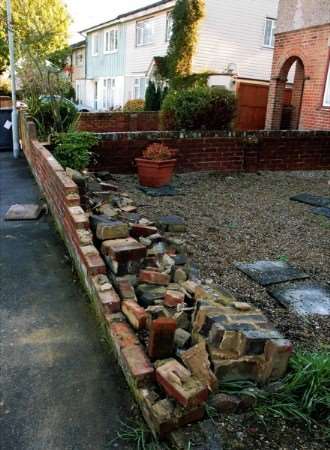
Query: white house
x: 235, y: 42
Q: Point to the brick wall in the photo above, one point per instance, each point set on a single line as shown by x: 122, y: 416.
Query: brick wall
x: 276, y: 150
x: 310, y: 47
x: 62, y: 196
x: 119, y: 121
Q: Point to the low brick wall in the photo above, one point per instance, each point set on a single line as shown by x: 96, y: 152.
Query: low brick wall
x: 227, y: 152
x: 119, y: 122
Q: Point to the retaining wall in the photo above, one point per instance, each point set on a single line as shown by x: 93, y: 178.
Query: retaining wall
x: 119, y: 121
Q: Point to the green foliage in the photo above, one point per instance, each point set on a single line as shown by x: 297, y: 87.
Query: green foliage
x: 198, y: 108
x: 186, y: 17
x: 60, y: 57
x: 134, y: 106
x: 5, y: 88
x: 136, y: 433
x: 41, y: 28
x: 155, y: 94
x: 73, y: 149
x: 52, y: 115
x: 189, y: 81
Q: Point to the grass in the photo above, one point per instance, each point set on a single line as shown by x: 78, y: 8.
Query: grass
x: 303, y: 395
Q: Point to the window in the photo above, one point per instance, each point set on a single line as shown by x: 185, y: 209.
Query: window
x: 326, y: 100
x: 144, y: 32
x: 79, y: 59
x: 95, y: 44
x: 109, y: 86
x: 111, y: 41
x: 139, y: 88
x: 269, y: 32
x: 169, y: 26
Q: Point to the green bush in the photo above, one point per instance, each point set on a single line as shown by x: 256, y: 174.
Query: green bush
x: 134, y: 106
x: 73, y: 149
x: 198, y: 108
x: 5, y: 87
x: 155, y: 94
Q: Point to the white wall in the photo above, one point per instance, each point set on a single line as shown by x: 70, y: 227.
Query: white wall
x: 232, y: 32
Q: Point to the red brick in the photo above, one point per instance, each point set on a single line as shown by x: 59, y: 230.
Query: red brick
x: 161, y: 338
x: 124, y: 250
x: 126, y: 290
x: 174, y: 298
x: 178, y: 382
x: 135, y: 314
x: 110, y: 300
x: 123, y: 336
x: 138, y: 364
x: 154, y: 277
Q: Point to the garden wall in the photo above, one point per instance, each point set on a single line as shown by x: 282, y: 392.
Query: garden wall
x: 119, y: 121
x: 227, y: 152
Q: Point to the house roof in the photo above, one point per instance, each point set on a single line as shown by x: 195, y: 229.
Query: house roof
x: 130, y: 13
x: 78, y: 44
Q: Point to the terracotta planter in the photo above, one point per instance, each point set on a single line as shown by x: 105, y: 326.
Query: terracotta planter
x: 155, y: 173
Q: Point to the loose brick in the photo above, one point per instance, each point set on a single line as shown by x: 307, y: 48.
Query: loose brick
x: 111, y: 230
x: 110, y: 300
x: 124, y: 250
x: 154, y: 277
x: 138, y: 230
x: 277, y: 354
x: 161, y: 339
x: 126, y: 290
x: 135, y: 314
x: 138, y: 364
x: 122, y: 335
x: 179, y: 383
x: 174, y: 298
x: 197, y: 360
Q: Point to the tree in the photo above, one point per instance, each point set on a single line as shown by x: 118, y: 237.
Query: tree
x: 41, y: 28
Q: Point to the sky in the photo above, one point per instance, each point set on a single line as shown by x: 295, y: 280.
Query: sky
x: 85, y: 13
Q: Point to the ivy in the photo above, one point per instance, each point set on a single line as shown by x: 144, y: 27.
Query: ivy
x: 178, y: 61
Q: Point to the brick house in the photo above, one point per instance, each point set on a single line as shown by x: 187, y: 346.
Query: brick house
x: 302, y: 42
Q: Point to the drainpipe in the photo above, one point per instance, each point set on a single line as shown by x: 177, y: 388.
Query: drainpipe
x: 14, y: 120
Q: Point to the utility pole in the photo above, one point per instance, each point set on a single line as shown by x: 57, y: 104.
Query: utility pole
x: 13, y: 81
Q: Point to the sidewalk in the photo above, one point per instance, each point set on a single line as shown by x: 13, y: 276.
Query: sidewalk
x: 59, y: 389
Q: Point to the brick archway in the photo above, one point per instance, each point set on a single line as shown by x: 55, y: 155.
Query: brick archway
x: 276, y: 94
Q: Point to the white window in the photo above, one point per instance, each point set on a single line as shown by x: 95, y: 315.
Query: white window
x: 269, y: 32
x: 109, y: 86
x: 144, y: 32
x: 169, y: 25
x: 139, y: 88
x: 80, y: 92
x: 95, y: 44
x: 326, y: 100
x: 111, y: 41
x: 79, y: 59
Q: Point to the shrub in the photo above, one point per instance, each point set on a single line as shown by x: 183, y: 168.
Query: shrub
x: 73, y: 149
x: 198, y: 108
x: 5, y: 88
x: 134, y: 106
x: 158, y: 152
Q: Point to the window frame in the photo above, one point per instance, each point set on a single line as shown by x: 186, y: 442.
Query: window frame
x: 137, y: 84
x: 138, y: 26
x: 111, y: 32
x: 79, y: 54
x: 95, y: 38
x: 109, y: 87
x: 326, y: 94
x: 169, y: 29
x: 272, y: 32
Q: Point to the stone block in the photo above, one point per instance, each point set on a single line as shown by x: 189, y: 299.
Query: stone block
x: 180, y: 384
x: 111, y: 230
x: 173, y: 298
x: 138, y: 364
x: 154, y: 277
x: 135, y: 314
x: 196, y: 359
x: 161, y: 339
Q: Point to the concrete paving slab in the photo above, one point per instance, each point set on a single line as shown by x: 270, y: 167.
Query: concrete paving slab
x: 23, y: 212
x: 304, y: 299
x: 271, y: 272
x: 309, y: 199
x: 325, y: 212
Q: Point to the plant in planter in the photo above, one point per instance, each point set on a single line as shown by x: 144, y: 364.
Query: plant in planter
x: 156, y: 167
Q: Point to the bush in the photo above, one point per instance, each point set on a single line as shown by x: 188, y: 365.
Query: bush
x: 134, y: 106
x: 198, y: 108
x: 158, y: 152
x: 73, y: 149
x: 51, y: 114
x: 5, y: 87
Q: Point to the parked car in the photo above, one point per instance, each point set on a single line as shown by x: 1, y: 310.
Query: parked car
x: 80, y: 108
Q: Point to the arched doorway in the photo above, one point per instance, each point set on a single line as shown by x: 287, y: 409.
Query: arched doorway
x: 281, y: 113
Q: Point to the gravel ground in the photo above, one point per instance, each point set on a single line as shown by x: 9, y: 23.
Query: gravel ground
x: 246, y: 217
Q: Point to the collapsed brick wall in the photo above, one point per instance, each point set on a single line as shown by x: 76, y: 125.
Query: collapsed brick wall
x: 241, y: 152
x: 119, y: 121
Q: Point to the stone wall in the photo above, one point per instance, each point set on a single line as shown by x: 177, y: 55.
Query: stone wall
x: 119, y: 121
x: 226, y: 152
